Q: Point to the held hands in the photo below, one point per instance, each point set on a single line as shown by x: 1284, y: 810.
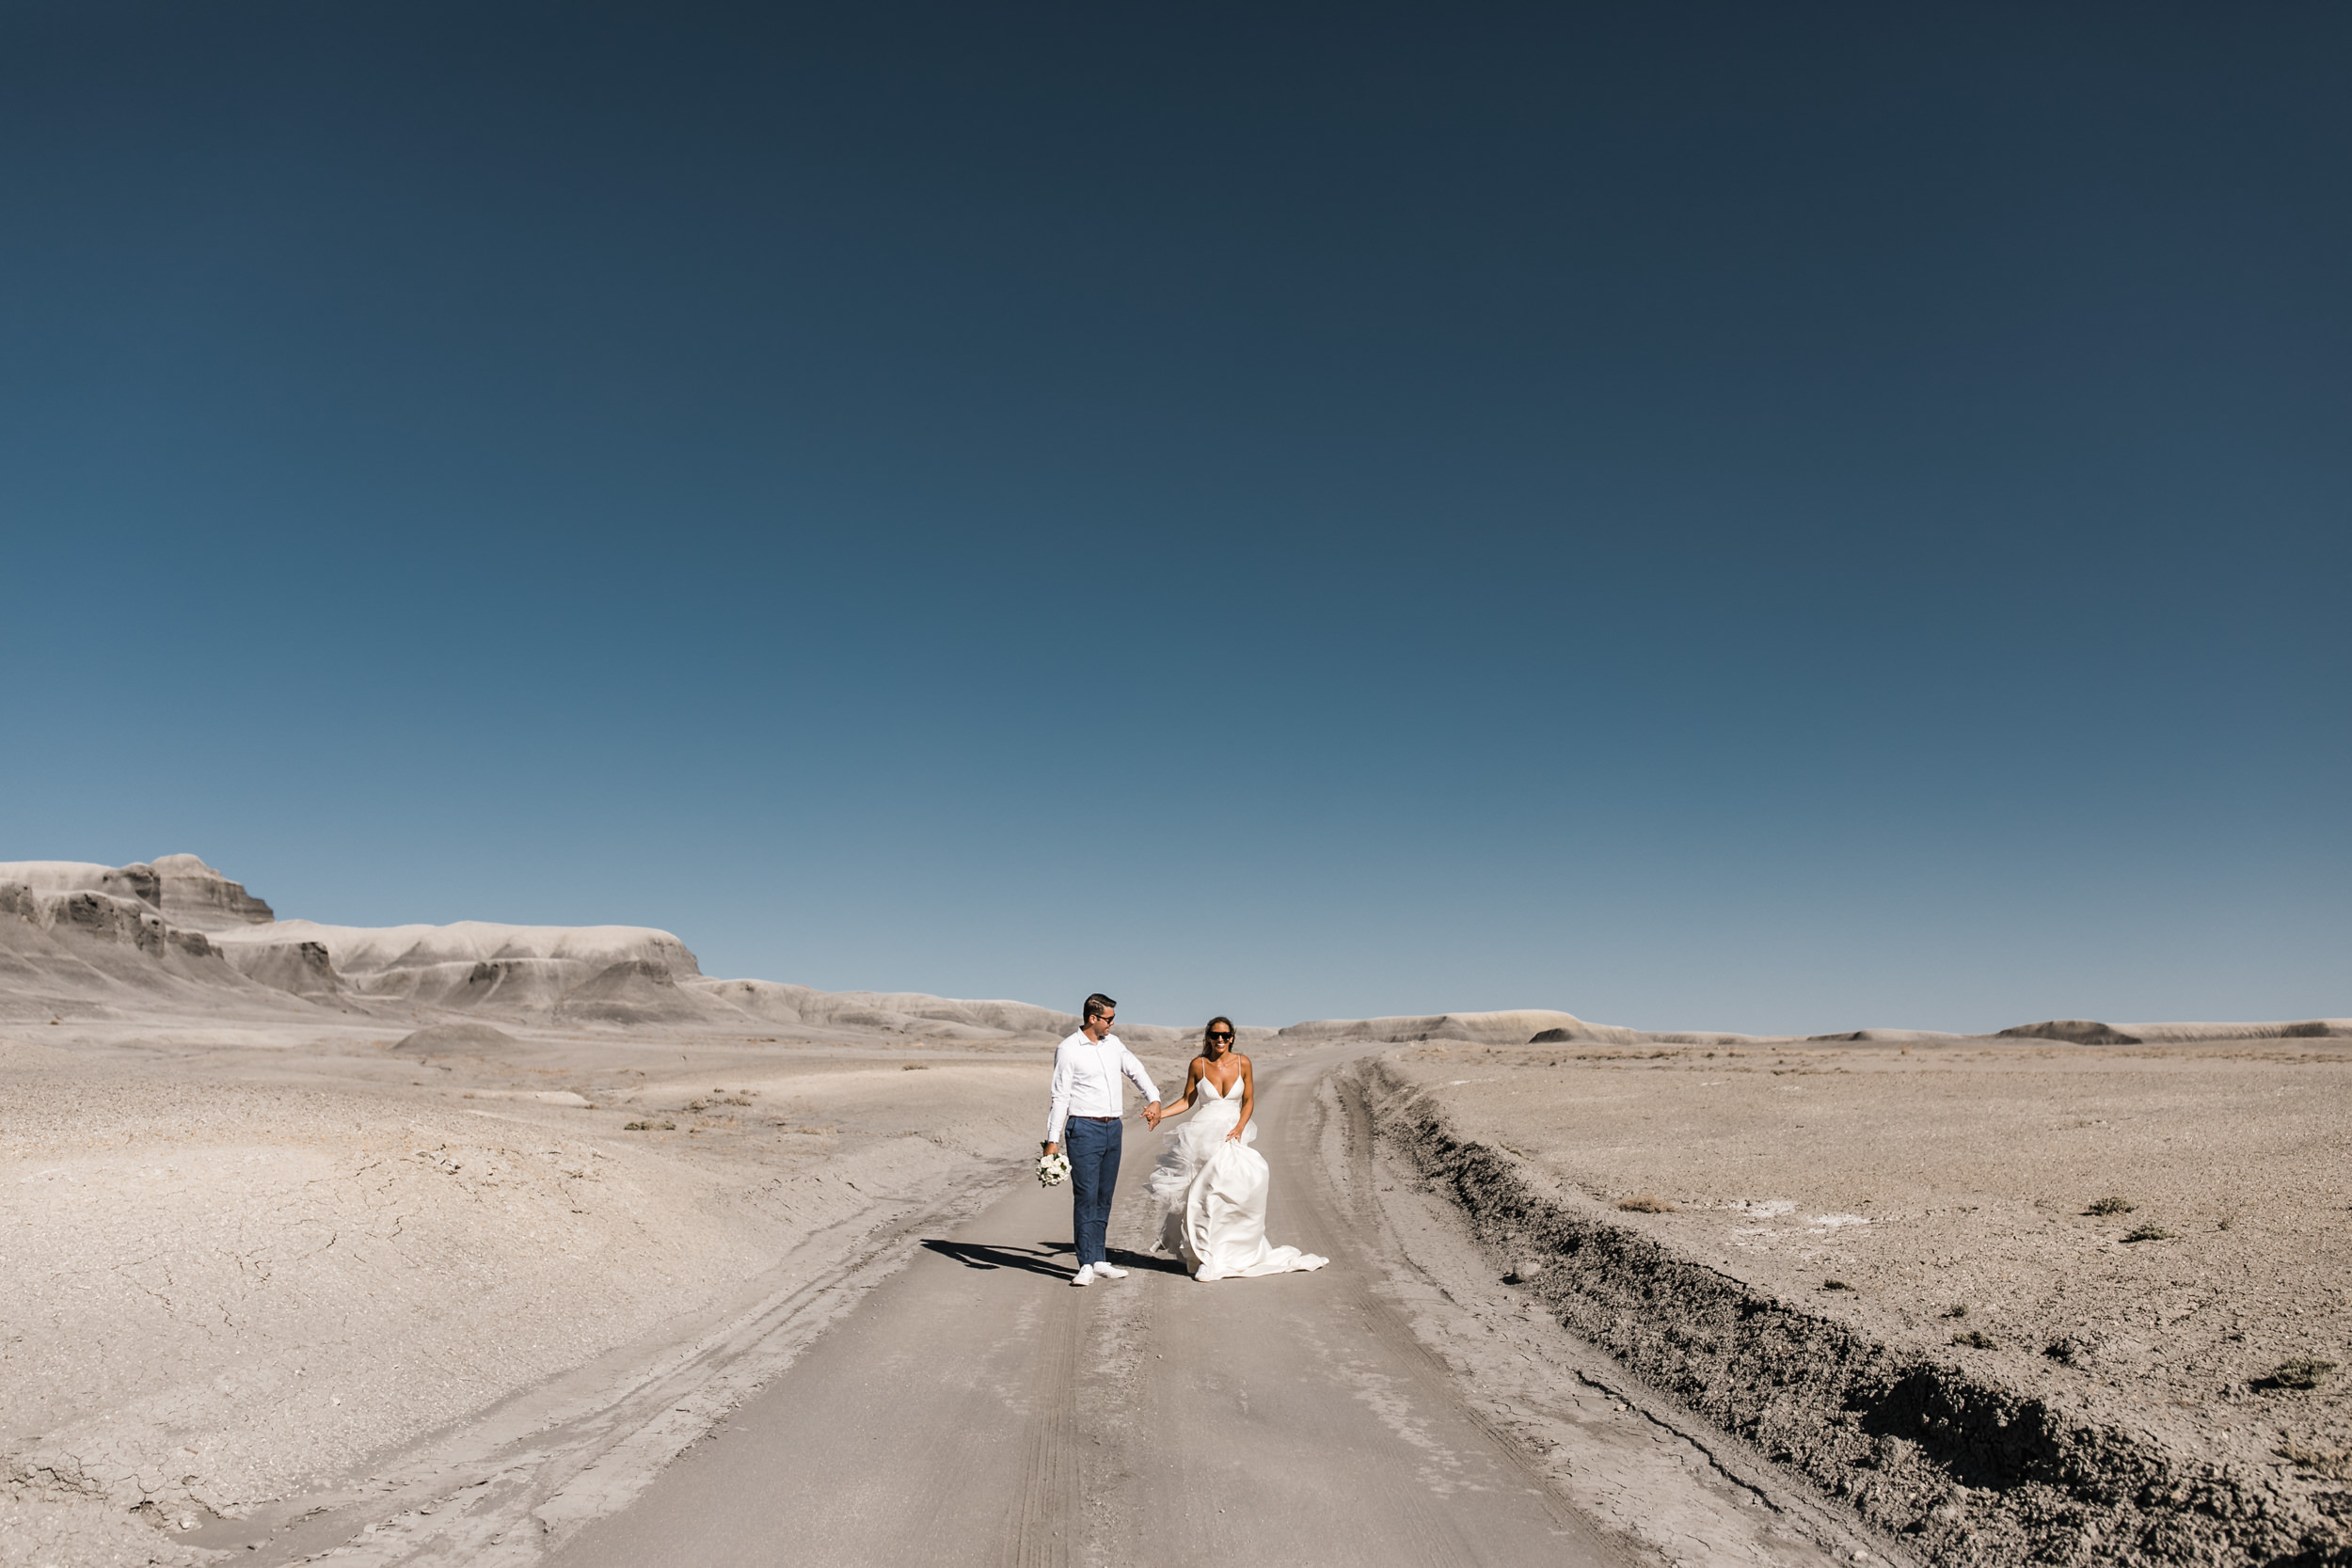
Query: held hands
x: 1151, y: 1114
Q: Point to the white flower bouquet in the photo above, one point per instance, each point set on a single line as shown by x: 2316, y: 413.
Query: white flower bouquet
x: 1053, y: 1169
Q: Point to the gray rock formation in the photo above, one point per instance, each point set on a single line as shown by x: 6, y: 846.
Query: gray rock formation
x: 105, y: 917
x: 192, y: 893
x: 137, y: 883
x: 301, y: 968
x: 81, y: 951
x: 637, y: 991
x: 466, y: 1039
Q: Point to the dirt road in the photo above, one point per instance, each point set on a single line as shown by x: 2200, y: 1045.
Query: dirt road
x: 977, y: 1409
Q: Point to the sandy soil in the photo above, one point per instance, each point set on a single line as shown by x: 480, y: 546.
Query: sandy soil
x: 297, y: 1216
x: 976, y: 1411
x: 1940, y: 1208
x: 262, y: 1264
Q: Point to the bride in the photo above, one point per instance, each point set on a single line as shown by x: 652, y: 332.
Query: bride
x: 1210, y: 1184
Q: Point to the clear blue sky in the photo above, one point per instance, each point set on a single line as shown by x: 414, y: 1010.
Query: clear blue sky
x: 1792, y: 517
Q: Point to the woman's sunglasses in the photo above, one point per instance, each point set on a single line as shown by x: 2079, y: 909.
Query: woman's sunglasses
x: 1224, y: 1035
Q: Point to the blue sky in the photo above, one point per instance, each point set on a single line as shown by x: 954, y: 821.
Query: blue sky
x: 1711, y: 518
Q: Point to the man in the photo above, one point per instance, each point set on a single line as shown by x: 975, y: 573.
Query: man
x: 1087, y: 1101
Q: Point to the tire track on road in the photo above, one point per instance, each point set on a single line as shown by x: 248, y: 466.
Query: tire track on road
x: 1045, y: 1506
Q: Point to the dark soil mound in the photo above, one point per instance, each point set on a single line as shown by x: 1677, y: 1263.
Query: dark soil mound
x: 2073, y: 1030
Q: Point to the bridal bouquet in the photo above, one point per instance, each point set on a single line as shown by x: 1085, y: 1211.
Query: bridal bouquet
x: 1053, y: 1169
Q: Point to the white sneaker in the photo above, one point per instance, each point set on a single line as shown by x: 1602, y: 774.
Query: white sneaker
x: 1084, y: 1276
x: 1107, y: 1271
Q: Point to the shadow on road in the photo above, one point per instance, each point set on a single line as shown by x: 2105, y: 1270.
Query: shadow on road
x: 1044, y: 1257
x: 979, y: 1254
x: 1147, y: 1262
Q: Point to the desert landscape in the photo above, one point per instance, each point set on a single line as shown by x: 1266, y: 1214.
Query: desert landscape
x: 442, y: 1243
x: 1720, y: 628
x: 2012, y: 1300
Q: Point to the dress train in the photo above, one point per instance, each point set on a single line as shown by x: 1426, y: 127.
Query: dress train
x: 1212, y: 1193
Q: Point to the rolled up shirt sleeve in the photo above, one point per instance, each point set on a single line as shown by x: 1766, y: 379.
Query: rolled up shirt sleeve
x: 1064, y: 1079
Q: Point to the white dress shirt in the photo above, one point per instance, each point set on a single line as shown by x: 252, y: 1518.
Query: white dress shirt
x: 1086, y: 1081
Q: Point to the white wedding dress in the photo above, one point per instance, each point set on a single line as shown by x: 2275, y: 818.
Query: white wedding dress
x: 1212, y: 1194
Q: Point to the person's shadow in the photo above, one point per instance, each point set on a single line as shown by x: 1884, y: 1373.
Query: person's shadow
x: 1147, y: 1262
x: 1042, y: 1259
x: 979, y: 1254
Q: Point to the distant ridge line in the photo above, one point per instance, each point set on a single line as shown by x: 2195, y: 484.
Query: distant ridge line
x: 186, y: 924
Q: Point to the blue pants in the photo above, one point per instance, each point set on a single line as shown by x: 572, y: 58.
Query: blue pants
x: 1093, y: 1150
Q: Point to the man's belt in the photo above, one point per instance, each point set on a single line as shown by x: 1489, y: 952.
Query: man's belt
x: 1094, y: 1118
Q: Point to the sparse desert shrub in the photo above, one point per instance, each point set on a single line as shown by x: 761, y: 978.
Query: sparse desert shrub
x: 2111, y: 1206
x: 2303, y: 1371
x: 2148, y: 1233
x: 915, y: 1067
x: 2066, y: 1349
x: 2337, y: 1466
x: 1642, y: 1203
x: 1835, y: 1284
x: 1977, y: 1338
x: 649, y: 1127
x: 1957, y: 1309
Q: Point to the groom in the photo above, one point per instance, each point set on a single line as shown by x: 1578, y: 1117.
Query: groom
x: 1088, y: 1103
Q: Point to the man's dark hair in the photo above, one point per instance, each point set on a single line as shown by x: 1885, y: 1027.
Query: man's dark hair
x: 1098, y: 1003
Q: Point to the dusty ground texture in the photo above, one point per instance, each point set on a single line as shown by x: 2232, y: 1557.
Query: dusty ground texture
x: 1383, y: 1409
x: 301, y: 1222
x: 258, y: 1269
x: 1894, y: 1270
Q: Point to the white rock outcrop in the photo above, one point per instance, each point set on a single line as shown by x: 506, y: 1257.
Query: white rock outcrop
x: 88, y: 933
x: 195, y: 896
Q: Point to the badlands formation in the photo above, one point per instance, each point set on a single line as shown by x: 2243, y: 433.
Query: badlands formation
x: 307, y: 1224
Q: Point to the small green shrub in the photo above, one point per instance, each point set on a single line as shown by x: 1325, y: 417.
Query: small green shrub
x: 1977, y: 1338
x: 2148, y: 1233
x: 2111, y: 1206
x: 2304, y: 1372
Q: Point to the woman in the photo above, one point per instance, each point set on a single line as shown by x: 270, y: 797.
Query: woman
x: 1210, y: 1184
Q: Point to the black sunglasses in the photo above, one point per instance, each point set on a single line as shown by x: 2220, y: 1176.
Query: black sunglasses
x: 1226, y: 1035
